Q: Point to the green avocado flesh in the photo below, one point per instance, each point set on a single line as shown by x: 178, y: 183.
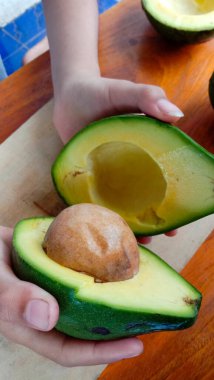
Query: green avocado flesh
x: 187, y: 21
x: 149, y: 172
x: 211, y: 90
x: 156, y: 299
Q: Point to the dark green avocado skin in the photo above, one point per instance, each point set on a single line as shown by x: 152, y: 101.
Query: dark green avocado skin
x: 211, y: 90
x: 165, y: 125
x: 93, y: 321
x: 179, y: 36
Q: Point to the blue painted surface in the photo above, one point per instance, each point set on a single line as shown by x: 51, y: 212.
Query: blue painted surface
x: 106, y: 4
x: 14, y: 61
x: 27, y: 30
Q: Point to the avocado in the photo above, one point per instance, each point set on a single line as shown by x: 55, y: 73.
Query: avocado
x: 157, y: 298
x: 151, y: 173
x: 211, y: 89
x: 183, y: 21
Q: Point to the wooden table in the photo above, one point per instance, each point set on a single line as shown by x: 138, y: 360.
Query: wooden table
x: 131, y: 49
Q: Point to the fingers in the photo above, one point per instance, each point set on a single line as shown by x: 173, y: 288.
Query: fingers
x: 4, y: 251
x: 148, y: 239
x: 152, y: 100
x: 6, y: 235
x: 171, y: 233
x: 27, y: 305
x: 22, y: 302
x: 144, y: 239
x: 70, y: 352
x: 77, y: 352
x: 25, y: 308
x: 5, y: 244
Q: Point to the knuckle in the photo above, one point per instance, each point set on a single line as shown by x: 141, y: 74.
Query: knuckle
x: 13, y: 300
x: 5, y: 307
x: 65, y: 355
x: 62, y: 358
x: 152, y: 91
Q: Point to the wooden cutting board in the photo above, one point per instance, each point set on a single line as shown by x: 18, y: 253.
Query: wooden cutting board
x: 179, y: 355
x: 129, y: 49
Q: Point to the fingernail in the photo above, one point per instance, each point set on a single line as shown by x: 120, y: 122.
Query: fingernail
x: 171, y: 233
x: 144, y: 239
x: 165, y: 106
x: 37, y: 314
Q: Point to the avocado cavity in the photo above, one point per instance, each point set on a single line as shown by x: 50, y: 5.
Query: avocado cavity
x: 149, y: 172
x: 126, y: 178
x: 93, y: 240
x: 196, y: 7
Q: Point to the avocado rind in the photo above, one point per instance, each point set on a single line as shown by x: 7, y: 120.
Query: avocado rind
x: 93, y: 320
x: 179, y: 35
x: 171, y: 130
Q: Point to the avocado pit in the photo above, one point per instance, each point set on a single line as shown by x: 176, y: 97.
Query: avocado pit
x: 94, y: 240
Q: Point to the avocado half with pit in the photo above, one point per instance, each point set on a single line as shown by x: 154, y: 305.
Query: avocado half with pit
x: 155, y: 299
x: 151, y: 173
x: 187, y: 21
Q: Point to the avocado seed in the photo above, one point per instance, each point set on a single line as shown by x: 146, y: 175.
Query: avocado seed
x: 95, y: 240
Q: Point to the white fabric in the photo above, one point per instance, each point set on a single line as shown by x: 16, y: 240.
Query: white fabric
x: 10, y: 9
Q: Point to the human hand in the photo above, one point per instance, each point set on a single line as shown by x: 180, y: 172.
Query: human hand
x: 86, y: 99
x: 83, y: 100
x: 148, y: 239
x: 28, y: 315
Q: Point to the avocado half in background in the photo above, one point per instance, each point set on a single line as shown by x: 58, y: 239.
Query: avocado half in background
x: 211, y: 89
x: 157, y: 298
x: 151, y: 173
x: 183, y: 21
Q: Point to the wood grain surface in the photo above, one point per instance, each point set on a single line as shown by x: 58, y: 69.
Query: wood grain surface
x: 23, y: 93
x: 179, y: 355
x: 129, y: 48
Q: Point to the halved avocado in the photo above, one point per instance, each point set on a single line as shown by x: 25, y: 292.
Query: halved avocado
x: 211, y: 89
x: 187, y: 21
x: 156, y: 299
x: 149, y: 172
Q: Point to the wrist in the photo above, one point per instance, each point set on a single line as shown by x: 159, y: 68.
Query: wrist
x: 68, y: 79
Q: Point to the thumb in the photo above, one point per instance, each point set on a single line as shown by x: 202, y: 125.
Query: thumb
x: 131, y: 97
x: 21, y: 302
x: 26, y: 304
